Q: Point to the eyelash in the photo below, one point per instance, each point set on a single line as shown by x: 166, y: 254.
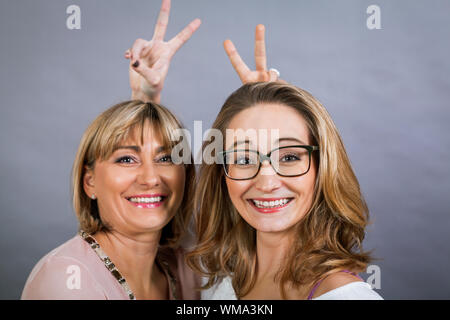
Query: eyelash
x: 124, y: 157
x: 121, y: 159
x: 166, y: 156
x: 291, y: 155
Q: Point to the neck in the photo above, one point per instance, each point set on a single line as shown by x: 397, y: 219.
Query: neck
x: 134, y: 256
x: 271, y: 250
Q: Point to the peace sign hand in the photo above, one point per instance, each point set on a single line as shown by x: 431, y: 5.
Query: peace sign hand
x: 150, y: 60
x: 245, y: 74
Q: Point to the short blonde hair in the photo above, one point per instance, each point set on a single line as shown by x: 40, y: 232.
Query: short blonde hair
x: 329, y: 236
x: 100, y: 140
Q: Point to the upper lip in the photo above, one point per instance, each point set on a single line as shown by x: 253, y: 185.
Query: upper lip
x: 153, y: 195
x: 270, y: 199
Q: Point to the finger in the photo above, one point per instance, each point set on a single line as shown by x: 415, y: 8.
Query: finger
x: 136, y: 49
x: 150, y: 75
x: 146, y: 50
x: 236, y: 60
x: 260, y: 49
x: 273, y: 75
x: 163, y: 20
x: 176, y: 42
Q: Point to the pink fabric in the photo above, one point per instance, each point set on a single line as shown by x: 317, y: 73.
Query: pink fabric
x: 320, y: 281
x: 51, y: 278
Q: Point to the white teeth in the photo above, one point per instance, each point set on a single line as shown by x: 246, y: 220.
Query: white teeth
x: 271, y: 204
x: 146, y: 200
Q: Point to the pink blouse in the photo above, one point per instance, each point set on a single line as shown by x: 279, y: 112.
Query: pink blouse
x: 79, y: 269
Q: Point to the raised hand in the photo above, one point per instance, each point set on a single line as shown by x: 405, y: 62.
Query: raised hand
x: 150, y: 60
x: 245, y: 74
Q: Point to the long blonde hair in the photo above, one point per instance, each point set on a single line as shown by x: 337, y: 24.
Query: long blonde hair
x: 330, y: 235
x: 99, y: 141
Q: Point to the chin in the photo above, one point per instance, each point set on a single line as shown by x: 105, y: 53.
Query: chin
x: 151, y: 223
x: 271, y: 228
x: 269, y: 224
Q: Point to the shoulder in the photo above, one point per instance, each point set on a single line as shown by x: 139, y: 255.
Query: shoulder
x: 63, y: 273
x: 345, y: 286
x: 333, y: 281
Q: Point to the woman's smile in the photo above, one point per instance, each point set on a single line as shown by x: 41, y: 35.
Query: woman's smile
x: 147, y: 201
x: 270, y: 205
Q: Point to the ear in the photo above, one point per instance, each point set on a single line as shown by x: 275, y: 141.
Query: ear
x: 89, y: 182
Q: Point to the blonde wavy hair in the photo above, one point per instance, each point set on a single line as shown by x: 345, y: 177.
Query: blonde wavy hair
x: 329, y: 236
x: 100, y: 140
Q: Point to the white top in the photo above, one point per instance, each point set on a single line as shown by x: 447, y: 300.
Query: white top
x: 353, y: 291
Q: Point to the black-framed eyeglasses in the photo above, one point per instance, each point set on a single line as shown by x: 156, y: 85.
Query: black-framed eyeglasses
x: 287, y: 161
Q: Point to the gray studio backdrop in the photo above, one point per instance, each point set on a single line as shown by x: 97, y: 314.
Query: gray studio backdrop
x: 387, y: 89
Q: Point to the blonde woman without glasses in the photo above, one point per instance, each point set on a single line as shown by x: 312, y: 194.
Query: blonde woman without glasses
x: 132, y: 201
x: 132, y: 204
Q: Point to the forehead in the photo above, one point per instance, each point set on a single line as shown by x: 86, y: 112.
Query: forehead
x: 268, y: 122
x: 144, y: 134
x: 147, y: 137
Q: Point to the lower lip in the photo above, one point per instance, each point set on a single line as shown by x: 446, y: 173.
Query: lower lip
x: 269, y: 210
x: 149, y: 205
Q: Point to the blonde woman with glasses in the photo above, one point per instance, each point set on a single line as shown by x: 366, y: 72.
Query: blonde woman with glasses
x: 280, y: 215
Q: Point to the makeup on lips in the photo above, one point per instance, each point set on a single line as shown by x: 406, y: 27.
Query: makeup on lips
x: 147, y: 201
x: 269, y: 205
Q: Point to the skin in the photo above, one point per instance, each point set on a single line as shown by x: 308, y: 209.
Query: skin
x: 154, y: 56
x: 267, y: 183
x: 245, y: 74
x: 132, y: 243
x: 274, y: 231
x: 150, y: 60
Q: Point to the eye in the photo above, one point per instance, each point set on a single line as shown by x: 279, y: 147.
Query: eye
x: 244, y: 161
x: 165, y: 159
x: 290, y: 157
x: 126, y: 160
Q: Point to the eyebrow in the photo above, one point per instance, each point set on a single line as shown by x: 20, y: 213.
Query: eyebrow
x: 241, y: 142
x: 291, y: 139
x: 138, y: 149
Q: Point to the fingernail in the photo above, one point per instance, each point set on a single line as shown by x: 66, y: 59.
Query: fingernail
x: 136, y: 64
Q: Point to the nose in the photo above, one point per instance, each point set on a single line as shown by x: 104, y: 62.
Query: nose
x: 267, y: 179
x: 148, y: 175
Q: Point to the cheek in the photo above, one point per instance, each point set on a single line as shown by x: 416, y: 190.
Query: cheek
x: 114, y: 180
x: 175, y: 180
x: 236, y: 190
x: 312, y: 177
x: 305, y: 186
